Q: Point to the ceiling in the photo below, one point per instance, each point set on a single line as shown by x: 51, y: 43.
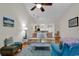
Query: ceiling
x: 51, y: 14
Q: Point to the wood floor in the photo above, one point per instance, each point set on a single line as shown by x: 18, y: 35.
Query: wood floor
x: 24, y: 45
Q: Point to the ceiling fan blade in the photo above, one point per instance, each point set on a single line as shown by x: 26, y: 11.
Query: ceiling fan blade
x: 33, y: 8
x: 42, y: 9
x: 46, y: 4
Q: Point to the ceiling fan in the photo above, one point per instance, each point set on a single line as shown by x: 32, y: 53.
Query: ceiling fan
x: 40, y: 6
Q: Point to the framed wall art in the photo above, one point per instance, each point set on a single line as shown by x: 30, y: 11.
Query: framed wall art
x: 7, y: 22
x: 73, y: 22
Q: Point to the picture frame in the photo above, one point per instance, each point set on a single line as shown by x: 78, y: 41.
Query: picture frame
x: 73, y: 22
x: 8, y: 22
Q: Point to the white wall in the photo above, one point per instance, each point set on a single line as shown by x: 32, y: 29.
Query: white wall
x: 63, y: 26
x: 16, y: 12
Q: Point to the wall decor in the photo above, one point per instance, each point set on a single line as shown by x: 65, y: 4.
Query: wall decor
x: 7, y: 22
x: 73, y: 22
x: 37, y: 28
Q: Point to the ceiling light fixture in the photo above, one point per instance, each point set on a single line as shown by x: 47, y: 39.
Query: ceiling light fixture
x: 38, y: 5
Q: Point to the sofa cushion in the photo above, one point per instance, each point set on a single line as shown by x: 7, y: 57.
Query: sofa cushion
x: 65, y: 50
x: 74, y: 50
x: 55, y: 50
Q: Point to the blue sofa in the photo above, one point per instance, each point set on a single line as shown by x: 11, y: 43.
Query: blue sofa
x: 66, y: 50
x: 74, y: 50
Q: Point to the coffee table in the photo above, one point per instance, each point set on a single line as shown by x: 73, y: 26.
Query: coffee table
x: 40, y: 46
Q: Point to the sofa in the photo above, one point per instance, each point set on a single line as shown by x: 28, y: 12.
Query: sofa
x: 67, y: 49
x: 10, y: 48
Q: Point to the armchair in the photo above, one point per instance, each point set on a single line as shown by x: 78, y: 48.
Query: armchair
x: 10, y: 47
x: 56, y: 51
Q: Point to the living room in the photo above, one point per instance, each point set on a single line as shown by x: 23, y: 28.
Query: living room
x: 23, y: 23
